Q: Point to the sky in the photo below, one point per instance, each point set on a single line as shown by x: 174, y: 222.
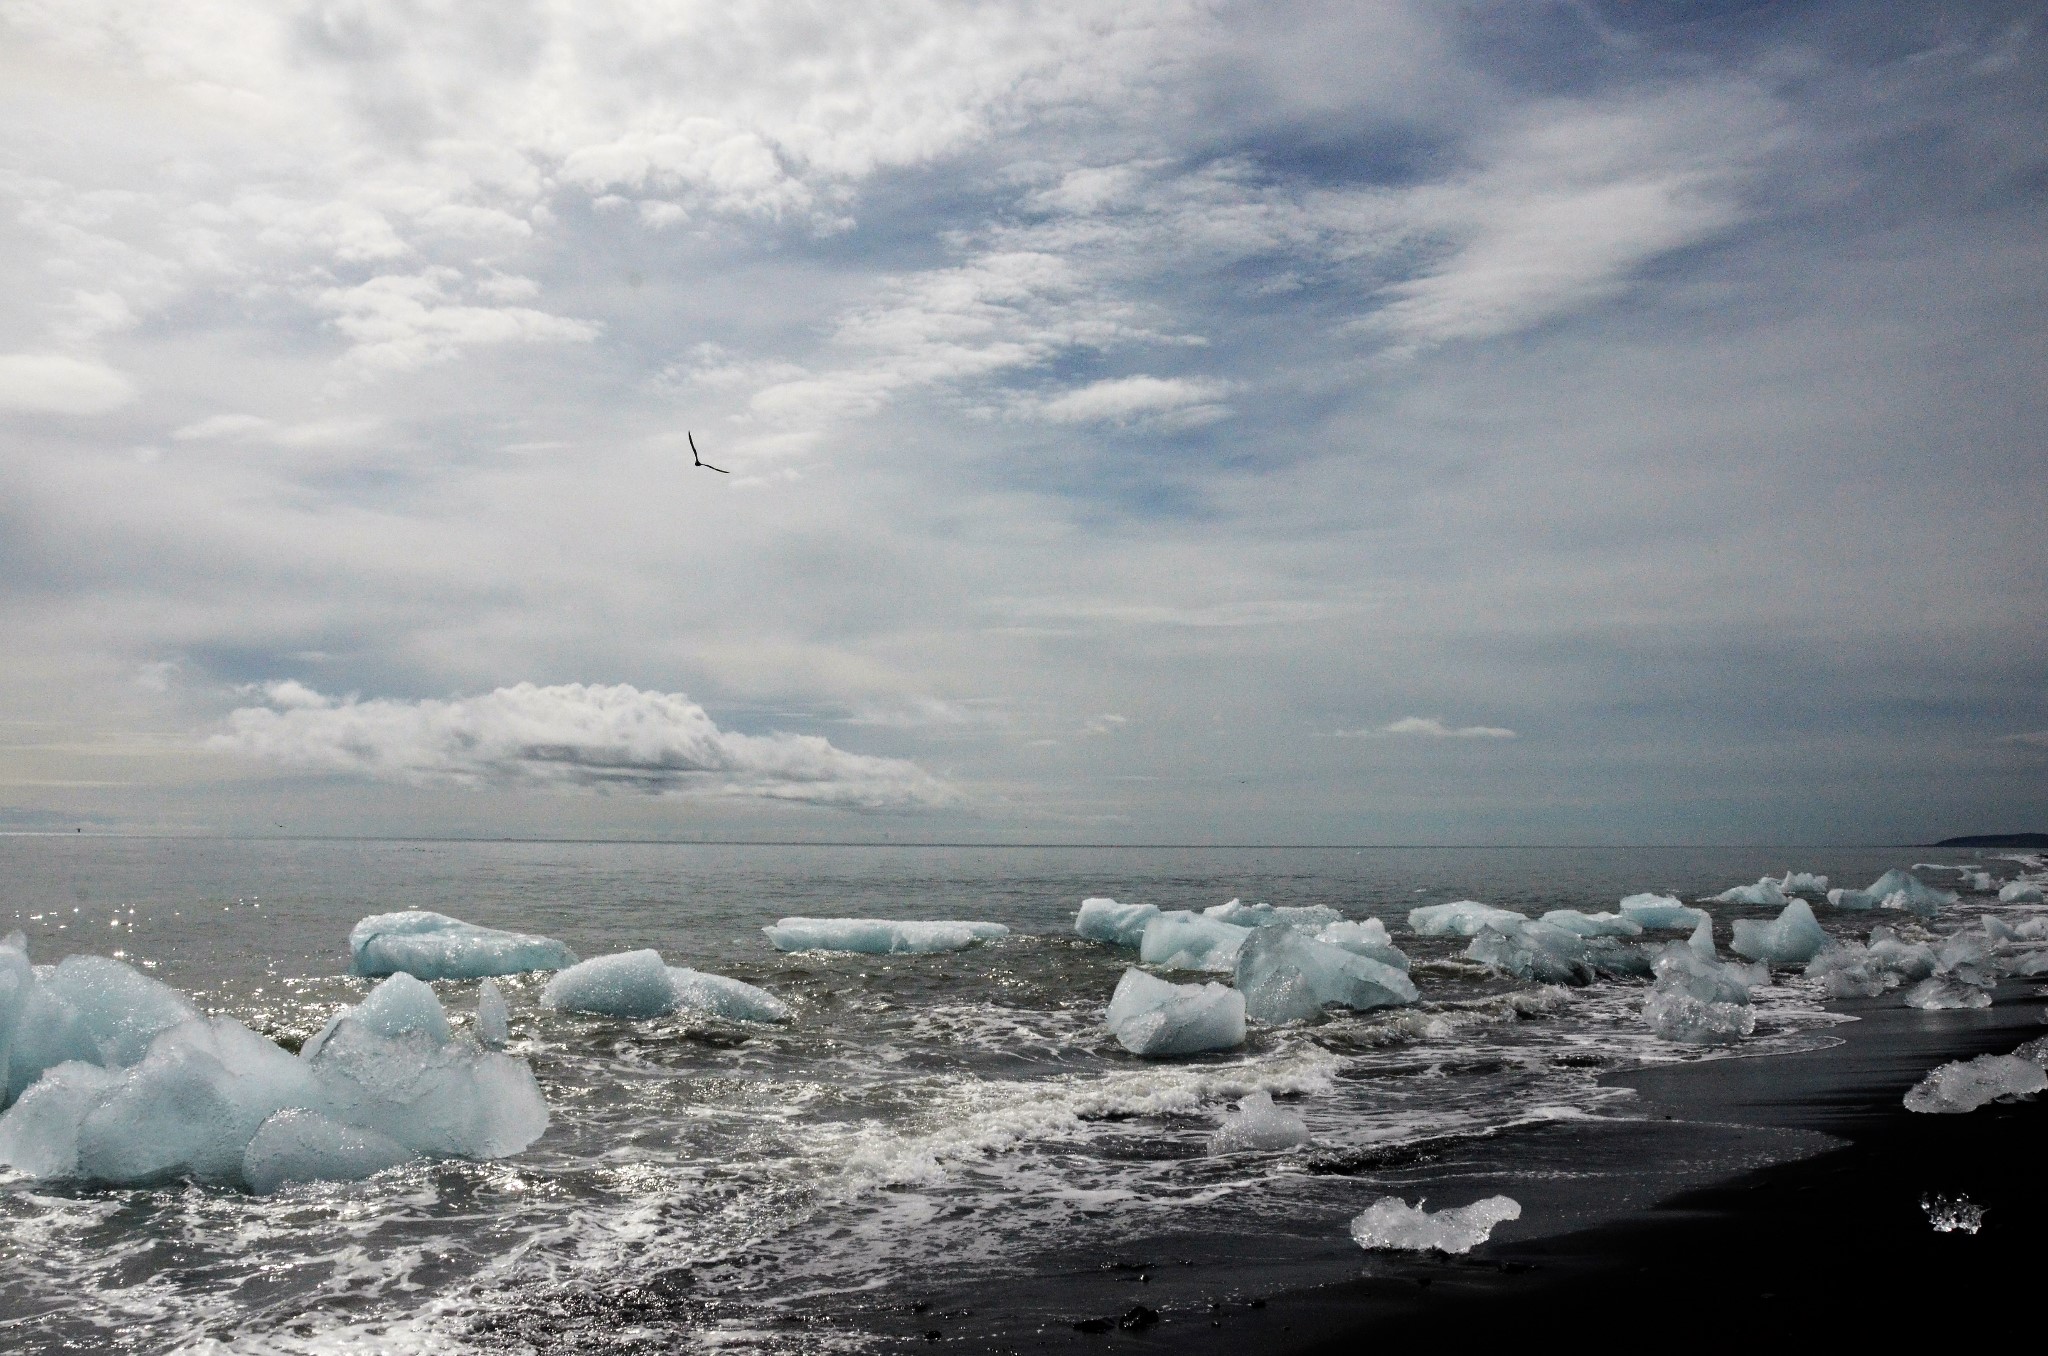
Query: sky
x: 1164, y: 422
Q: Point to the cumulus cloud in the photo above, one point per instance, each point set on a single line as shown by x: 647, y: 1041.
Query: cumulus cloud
x: 1428, y: 727
x: 50, y: 383
x: 1177, y: 402
x: 570, y: 737
x: 401, y: 321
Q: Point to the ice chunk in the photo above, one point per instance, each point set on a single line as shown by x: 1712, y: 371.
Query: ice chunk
x: 1765, y: 894
x: 1895, y: 889
x: 1968, y: 1084
x: 1952, y: 1214
x: 17, y: 983
x: 1844, y: 970
x: 430, y: 945
x: 1792, y: 939
x: 1661, y: 911
x: 1460, y: 918
x: 1803, y: 883
x: 1286, y: 975
x: 493, y: 1018
x: 880, y: 936
x: 39, y: 1133
x: 1593, y: 924
x: 1907, y: 960
x: 1940, y: 993
x: 1392, y: 1223
x: 1150, y: 1016
x: 2020, y: 892
x: 1258, y: 1126
x: 1677, y: 1015
x: 1531, y: 950
x: 1266, y: 915
x: 733, y: 999
x: 1977, y: 881
x: 298, y: 1145
x: 1181, y: 940
x: 90, y: 1008
x: 1367, y: 938
x: 630, y: 984
x: 1697, y: 999
x: 1105, y: 920
x: 1680, y: 966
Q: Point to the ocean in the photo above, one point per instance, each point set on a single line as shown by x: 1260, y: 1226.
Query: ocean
x: 932, y: 1147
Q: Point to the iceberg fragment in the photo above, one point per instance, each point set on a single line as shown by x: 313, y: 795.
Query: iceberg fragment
x: 1181, y: 940
x: 1392, y: 1223
x: 1460, y: 918
x: 1258, y: 1126
x: 1697, y: 999
x: 1895, y: 956
x: 1266, y: 915
x: 1286, y: 976
x: 1149, y: 1016
x: 493, y: 1018
x: 1593, y: 924
x: 90, y: 1008
x: 721, y: 996
x: 1967, y: 1084
x: 1765, y: 894
x: 429, y: 945
x: 1679, y: 1016
x: 1844, y: 970
x: 1793, y: 938
x: 1366, y: 938
x: 1939, y: 993
x: 1803, y: 883
x: 1535, y: 951
x: 298, y: 1145
x: 1895, y: 889
x: 1661, y: 911
x: 1105, y: 920
x: 881, y: 936
x: 638, y: 984
x: 2021, y: 892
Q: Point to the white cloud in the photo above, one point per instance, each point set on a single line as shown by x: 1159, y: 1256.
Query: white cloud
x: 50, y: 383
x: 401, y: 321
x: 570, y: 737
x: 1178, y: 402
x: 1429, y: 727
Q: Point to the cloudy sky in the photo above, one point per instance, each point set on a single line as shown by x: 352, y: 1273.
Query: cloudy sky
x: 1169, y: 421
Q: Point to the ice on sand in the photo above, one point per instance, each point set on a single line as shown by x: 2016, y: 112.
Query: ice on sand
x: 1258, y: 1126
x: 1793, y: 938
x: 881, y: 936
x: 1895, y: 889
x: 1367, y: 938
x: 1267, y: 915
x: 429, y: 945
x: 639, y: 984
x: 1392, y: 1223
x: 1661, y: 911
x: 1286, y: 975
x: 1967, y: 1084
x: 493, y: 1018
x: 1593, y: 924
x: 1460, y: 918
x: 2020, y: 892
x: 1181, y: 940
x: 1150, y: 1016
x: 1765, y: 894
x: 1105, y: 920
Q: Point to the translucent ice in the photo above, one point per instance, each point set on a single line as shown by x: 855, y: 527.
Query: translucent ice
x: 1181, y: 940
x: 1968, y: 1084
x: 1893, y: 955
x: 1460, y: 918
x: 2020, y: 892
x: 1150, y: 1016
x: 639, y: 984
x: 1366, y: 938
x: 1765, y: 894
x: 1105, y: 920
x: 1895, y: 889
x: 1661, y: 911
x: 1680, y: 966
x: 1245, y: 915
x: 1679, y: 1016
x: 1392, y: 1223
x: 90, y: 1008
x: 493, y: 1019
x: 1697, y: 999
x: 1531, y: 950
x: 434, y: 946
x: 1844, y: 970
x: 1939, y: 993
x: 1952, y: 1214
x: 1286, y: 975
x: 1593, y: 924
x: 1803, y: 883
x: 733, y: 999
x: 880, y: 936
x: 1258, y: 1126
x: 298, y: 1145
x: 1791, y: 939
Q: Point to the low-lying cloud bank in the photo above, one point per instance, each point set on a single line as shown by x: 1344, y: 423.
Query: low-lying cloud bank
x: 574, y: 736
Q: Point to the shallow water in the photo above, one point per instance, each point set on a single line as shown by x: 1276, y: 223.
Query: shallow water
x: 923, y: 1123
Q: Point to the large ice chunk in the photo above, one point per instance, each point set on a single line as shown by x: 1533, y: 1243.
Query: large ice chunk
x: 429, y: 945
x: 1803, y: 883
x: 2020, y: 892
x: 881, y: 936
x: 1105, y: 920
x: 1593, y: 924
x: 1150, y: 1016
x: 1698, y: 1000
x: 1367, y: 937
x: 1532, y: 950
x: 1286, y: 975
x: 1661, y: 911
x: 1460, y: 918
x: 1258, y: 1126
x: 1895, y: 889
x: 721, y: 996
x: 298, y: 1145
x: 1765, y: 894
x: 1181, y: 940
x: 90, y: 1008
x: 1245, y: 915
x: 1792, y: 938
x: 1967, y: 1084
x: 1392, y: 1223
x: 639, y: 984
x: 1679, y: 1016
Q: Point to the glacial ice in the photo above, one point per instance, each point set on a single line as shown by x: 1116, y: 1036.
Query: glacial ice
x: 2021, y: 892
x: 1845, y: 971
x: 1697, y: 999
x: 1941, y: 993
x: 1977, y: 881
x: 1392, y: 1223
x: 1150, y: 1016
x: 1680, y: 966
x: 639, y: 984
x: 1791, y: 939
x: 1803, y: 883
x: 1286, y: 976
x: 1895, y: 889
x: 1892, y: 954
x: 1661, y: 911
x: 1181, y: 940
x: 1678, y: 1016
x: 90, y: 1008
x: 493, y: 1018
x: 1460, y: 918
x: 1593, y: 924
x: 1105, y: 920
x: 430, y: 945
x: 1532, y: 950
x: 1966, y: 1084
x: 1765, y: 894
x: 1368, y: 938
x: 299, y: 1145
x: 881, y: 936
x: 1267, y: 915
x: 1258, y: 1126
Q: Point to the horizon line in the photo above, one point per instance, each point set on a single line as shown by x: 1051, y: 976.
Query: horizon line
x: 890, y: 843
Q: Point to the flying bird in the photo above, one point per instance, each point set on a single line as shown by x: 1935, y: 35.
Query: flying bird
x: 700, y: 460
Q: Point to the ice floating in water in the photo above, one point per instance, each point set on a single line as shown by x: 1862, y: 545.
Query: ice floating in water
x: 1793, y: 938
x: 434, y: 946
x: 1531, y: 950
x: 1765, y: 894
x: 1661, y: 911
x: 1803, y: 883
x: 1366, y: 938
x: 1593, y: 924
x: 1953, y: 1214
x: 1460, y: 918
x: 1105, y: 920
x: 1978, y: 881
x: 493, y: 1018
x: 1150, y: 1016
x: 1392, y: 1223
x: 1181, y: 940
x: 1697, y: 999
x: 2021, y: 892
x: 639, y: 984
x: 881, y: 936
x: 1895, y: 889
x: 1967, y: 1084
x: 1258, y: 1126
x: 1267, y: 915
x: 1892, y: 954
x: 297, y: 1145
x: 1287, y: 976
x: 90, y: 1008
x: 1678, y: 1016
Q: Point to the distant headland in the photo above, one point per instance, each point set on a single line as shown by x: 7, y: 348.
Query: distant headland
x: 2004, y: 840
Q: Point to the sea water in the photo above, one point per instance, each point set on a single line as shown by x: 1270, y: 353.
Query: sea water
x: 922, y: 1123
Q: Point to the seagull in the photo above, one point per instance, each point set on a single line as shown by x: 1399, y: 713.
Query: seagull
x: 699, y: 460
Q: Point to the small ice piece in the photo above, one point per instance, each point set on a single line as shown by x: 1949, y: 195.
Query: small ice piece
x: 1258, y: 1126
x: 1895, y: 889
x: 1843, y: 968
x: 1287, y: 976
x: 2021, y: 892
x: 1803, y: 883
x: 1661, y: 911
x: 1966, y: 1084
x: 1392, y: 1223
x: 1907, y: 960
x: 1792, y: 939
x: 1952, y: 1214
x: 733, y: 999
x: 1368, y: 938
x: 1765, y: 894
x: 1105, y: 920
x: 1593, y: 924
x: 881, y: 936
x: 1460, y: 918
x: 429, y: 945
x: 1940, y: 993
x: 493, y: 1018
x: 1677, y: 1015
x: 629, y: 984
x: 1181, y: 940
x: 1978, y: 882
x: 1150, y: 1016
x: 1266, y: 915
x: 1966, y: 958
x: 1532, y: 950
x: 298, y: 1145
